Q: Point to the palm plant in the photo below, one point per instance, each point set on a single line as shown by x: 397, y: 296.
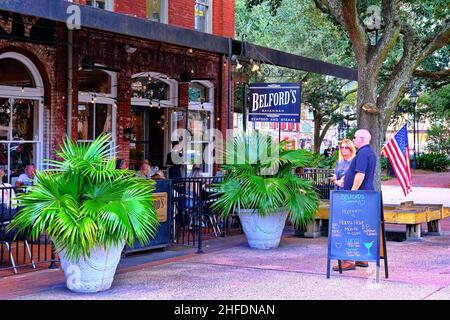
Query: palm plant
x: 83, y: 201
x: 259, y: 175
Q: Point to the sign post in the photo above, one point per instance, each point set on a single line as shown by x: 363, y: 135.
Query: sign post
x: 356, y: 228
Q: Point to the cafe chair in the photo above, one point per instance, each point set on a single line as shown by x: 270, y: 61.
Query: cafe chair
x: 209, y: 198
x: 7, y: 238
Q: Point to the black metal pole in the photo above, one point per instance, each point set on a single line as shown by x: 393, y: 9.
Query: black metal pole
x: 414, y: 134
x: 52, y: 259
x: 200, y: 198
x: 244, y: 107
x: 230, y: 52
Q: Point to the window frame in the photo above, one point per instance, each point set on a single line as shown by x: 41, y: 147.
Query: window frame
x: 100, y: 98
x: 109, y: 5
x: 209, y: 10
x: 164, y: 11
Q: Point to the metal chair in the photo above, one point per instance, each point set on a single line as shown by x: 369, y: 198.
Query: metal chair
x: 7, y: 238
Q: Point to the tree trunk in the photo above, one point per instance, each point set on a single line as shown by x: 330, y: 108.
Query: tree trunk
x: 370, y: 116
x: 317, y: 141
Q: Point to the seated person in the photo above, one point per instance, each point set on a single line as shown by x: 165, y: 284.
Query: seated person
x: 158, y: 175
x: 147, y: 171
x: 28, y: 178
x: 8, y: 200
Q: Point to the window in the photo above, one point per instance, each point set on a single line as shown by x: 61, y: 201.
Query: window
x: 157, y: 10
x: 150, y: 88
x: 101, y: 4
x: 203, y: 18
x: 15, y: 73
x: 93, y: 120
x: 94, y: 81
x: 200, y: 117
x: 96, y: 104
x: 21, y: 113
x: 198, y: 93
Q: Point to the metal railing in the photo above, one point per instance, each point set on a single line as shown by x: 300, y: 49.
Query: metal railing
x: 18, y: 252
x: 194, y: 219
x: 320, y: 179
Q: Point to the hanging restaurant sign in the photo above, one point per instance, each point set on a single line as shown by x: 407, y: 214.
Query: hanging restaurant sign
x: 274, y: 102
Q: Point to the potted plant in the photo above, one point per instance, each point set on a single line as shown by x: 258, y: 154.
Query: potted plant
x: 90, y: 210
x: 260, y: 185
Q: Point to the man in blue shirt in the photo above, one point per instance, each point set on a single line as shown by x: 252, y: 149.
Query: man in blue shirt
x: 360, y: 176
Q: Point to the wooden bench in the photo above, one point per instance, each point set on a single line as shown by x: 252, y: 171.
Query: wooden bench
x: 407, y: 213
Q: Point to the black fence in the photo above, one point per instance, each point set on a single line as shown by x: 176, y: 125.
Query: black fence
x: 194, y: 218
x: 193, y: 221
x: 192, y: 199
x: 320, y: 179
x: 18, y: 252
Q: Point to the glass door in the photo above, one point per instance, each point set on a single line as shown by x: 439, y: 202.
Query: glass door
x: 20, y: 138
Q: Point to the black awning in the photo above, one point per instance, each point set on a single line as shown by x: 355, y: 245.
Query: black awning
x: 93, y: 18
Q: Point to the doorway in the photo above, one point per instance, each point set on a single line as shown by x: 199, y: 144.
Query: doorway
x: 147, y: 142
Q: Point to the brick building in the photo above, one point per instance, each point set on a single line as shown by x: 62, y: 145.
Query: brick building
x: 83, y: 82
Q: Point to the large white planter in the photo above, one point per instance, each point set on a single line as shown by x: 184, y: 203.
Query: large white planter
x: 263, y: 232
x: 93, y: 274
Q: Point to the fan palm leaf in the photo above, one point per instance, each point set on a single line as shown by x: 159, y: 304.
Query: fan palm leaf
x: 83, y: 202
x: 263, y: 179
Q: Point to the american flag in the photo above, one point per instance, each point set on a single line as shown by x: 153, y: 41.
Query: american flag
x: 397, y: 151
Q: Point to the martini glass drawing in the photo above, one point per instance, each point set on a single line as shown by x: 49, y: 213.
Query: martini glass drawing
x: 368, y: 245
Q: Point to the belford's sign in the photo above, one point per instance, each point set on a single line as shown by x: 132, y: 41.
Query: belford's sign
x: 274, y: 102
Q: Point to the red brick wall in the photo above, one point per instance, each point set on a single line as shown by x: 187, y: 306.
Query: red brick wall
x: 50, y: 62
x: 132, y: 7
x: 223, y: 18
x: 110, y: 51
x: 182, y: 14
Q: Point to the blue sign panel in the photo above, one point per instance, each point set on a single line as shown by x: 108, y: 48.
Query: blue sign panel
x: 274, y: 102
x: 354, y: 227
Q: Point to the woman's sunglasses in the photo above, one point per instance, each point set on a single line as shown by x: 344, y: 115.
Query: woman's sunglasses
x: 345, y: 147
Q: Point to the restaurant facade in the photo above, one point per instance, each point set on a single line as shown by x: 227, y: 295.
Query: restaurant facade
x: 84, y: 82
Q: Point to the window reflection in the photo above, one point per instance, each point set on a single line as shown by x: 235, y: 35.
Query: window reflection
x: 94, y: 81
x: 198, y: 93
x: 23, y: 120
x: 93, y: 120
x: 5, y: 118
x: 201, y: 13
x: 150, y: 88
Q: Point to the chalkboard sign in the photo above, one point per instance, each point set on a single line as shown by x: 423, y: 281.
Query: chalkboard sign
x: 355, y: 226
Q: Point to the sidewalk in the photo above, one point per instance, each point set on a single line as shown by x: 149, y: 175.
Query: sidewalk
x: 394, y: 195
x: 231, y: 270
x: 423, y: 178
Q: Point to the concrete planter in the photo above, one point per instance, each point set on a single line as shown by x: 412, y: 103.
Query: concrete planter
x: 263, y: 232
x: 94, y: 274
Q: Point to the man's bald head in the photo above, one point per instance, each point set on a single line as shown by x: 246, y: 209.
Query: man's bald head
x: 362, y: 137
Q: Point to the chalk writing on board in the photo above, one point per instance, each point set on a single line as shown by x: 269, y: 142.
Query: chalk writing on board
x: 358, y: 199
x: 354, y: 225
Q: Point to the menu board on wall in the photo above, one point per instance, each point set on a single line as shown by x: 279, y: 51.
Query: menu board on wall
x: 354, y: 226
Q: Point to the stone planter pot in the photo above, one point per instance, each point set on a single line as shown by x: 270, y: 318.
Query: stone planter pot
x: 263, y: 232
x: 94, y: 274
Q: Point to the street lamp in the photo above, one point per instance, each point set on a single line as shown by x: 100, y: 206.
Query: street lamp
x: 414, y: 97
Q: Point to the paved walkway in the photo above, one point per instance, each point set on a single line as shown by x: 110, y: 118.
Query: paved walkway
x: 394, y: 195
x: 231, y: 270
x: 422, y: 178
